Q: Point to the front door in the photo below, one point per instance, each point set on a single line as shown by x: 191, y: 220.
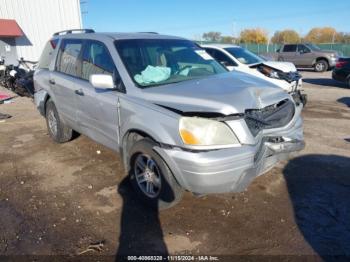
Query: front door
x: 97, y: 112
x: 304, y: 57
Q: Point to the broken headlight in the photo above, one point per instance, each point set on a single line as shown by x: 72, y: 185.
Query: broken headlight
x: 197, y: 131
x: 268, y: 71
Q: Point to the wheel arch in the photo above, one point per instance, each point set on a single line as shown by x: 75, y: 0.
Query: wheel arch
x: 47, y: 98
x: 129, y: 138
x: 321, y: 58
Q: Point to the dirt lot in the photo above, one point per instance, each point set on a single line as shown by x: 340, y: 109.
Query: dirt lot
x: 58, y: 199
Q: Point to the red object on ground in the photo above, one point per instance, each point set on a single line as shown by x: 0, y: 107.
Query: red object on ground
x: 4, y: 97
x: 9, y: 28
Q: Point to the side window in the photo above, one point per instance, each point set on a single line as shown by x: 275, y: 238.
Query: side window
x: 222, y: 58
x: 210, y: 51
x: 46, y: 56
x: 68, y: 57
x: 97, y: 60
x: 303, y: 49
x: 290, y: 48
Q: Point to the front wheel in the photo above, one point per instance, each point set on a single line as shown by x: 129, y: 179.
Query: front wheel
x: 321, y: 66
x: 151, y: 178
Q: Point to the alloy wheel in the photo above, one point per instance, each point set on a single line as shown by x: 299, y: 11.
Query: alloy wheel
x: 52, y: 120
x: 147, y: 175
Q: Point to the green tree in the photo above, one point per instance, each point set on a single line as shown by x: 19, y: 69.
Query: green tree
x: 285, y: 36
x: 228, y: 39
x: 212, y: 36
x: 255, y: 35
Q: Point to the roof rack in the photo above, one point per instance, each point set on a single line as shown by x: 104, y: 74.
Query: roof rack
x: 155, y: 33
x: 70, y: 31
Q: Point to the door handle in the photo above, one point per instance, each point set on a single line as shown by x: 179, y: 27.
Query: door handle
x: 52, y: 81
x: 79, y: 92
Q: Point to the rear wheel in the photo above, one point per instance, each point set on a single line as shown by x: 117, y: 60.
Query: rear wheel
x: 151, y: 178
x: 321, y: 66
x: 58, y: 130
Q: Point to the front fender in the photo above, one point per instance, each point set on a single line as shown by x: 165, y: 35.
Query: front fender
x: 156, y: 122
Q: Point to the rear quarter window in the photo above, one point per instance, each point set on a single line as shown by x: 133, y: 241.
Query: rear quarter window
x: 46, y: 56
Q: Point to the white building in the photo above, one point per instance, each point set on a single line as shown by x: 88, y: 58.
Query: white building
x: 26, y: 25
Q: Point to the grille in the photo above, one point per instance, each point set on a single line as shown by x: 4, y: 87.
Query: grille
x: 273, y: 116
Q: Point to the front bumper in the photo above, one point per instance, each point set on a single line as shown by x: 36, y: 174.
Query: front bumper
x: 332, y: 62
x: 299, y: 97
x: 230, y: 170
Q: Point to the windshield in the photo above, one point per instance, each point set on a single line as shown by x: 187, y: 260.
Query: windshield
x: 152, y: 62
x: 244, y: 56
x: 313, y: 47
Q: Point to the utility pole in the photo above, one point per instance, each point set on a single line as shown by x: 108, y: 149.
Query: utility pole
x: 234, y: 31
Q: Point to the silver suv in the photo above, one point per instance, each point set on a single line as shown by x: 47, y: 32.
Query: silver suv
x: 178, y: 118
x: 308, y: 55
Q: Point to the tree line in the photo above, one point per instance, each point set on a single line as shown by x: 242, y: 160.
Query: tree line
x: 260, y: 36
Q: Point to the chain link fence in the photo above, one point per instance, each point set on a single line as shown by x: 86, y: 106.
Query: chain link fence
x: 261, y: 49
x: 342, y: 49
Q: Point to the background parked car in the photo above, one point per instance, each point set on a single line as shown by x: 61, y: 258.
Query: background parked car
x: 308, y: 55
x: 282, y: 74
x: 341, y: 72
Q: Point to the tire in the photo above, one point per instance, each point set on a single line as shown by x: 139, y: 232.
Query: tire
x: 166, y: 191
x: 321, y: 66
x: 58, y: 131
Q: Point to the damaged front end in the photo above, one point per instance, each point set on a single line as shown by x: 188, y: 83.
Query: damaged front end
x: 290, y: 77
x: 264, y: 137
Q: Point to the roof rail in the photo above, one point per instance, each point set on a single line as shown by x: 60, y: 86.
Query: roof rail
x: 70, y: 31
x: 155, y: 33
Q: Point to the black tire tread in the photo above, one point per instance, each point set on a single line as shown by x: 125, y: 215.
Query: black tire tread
x: 326, y: 65
x: 146, y: 145
x: 64, y: 133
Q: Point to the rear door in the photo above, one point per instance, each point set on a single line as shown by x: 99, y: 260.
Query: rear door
x: 289, y: 53
x: 63, y: 79
x: 97, y: 112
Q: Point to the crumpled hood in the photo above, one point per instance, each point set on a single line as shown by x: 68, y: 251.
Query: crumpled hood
x: 283, y: 66
x: 228, y: 93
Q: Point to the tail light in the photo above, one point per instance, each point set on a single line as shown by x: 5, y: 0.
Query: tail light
x: 340, y: 64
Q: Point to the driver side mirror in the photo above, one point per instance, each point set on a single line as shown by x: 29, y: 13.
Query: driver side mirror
x: 304, y: 51
x: 102, y: 81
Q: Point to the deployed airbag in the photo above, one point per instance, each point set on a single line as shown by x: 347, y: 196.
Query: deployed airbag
x: 153, y: 74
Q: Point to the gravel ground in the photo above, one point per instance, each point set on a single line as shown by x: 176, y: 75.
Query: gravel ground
x: 57, y: 199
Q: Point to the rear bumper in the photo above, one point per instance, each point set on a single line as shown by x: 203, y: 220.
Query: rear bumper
x: 230, y: 170
x: 338, y: 77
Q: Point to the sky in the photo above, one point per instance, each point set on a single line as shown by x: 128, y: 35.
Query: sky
x: 191, y: 18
